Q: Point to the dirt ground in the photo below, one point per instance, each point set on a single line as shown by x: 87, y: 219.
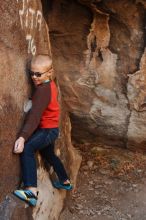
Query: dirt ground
x: 111, y: 186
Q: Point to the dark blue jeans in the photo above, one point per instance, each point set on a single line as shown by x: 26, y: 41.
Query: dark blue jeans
x: 43, y: 140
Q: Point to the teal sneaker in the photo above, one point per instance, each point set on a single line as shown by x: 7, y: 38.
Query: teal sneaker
x: 27, y: 196
x: 59, y: 185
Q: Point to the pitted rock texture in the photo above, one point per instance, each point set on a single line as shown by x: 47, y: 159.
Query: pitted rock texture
x: 14, y: 209
x: 98, y: 50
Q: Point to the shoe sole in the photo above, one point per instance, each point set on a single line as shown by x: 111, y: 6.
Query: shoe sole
x: 61, y: 187
x: 23, y: 199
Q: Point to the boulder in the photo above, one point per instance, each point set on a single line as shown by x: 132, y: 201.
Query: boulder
x: 98, y: 50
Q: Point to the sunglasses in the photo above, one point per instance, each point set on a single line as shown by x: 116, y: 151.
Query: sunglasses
x: 37, y: 74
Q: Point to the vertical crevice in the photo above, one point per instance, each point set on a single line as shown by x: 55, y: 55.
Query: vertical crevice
x: 47, y: 6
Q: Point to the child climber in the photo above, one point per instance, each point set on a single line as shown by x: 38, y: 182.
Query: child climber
x: 40, y: 131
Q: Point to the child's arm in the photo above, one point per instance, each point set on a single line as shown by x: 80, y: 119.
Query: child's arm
x: 40, y: 101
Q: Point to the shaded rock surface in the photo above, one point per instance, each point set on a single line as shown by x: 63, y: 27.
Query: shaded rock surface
x: 12, y: 208
x: 98, y: 49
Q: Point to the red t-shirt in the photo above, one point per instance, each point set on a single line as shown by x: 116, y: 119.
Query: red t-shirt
x: 45, y: 110
x: 50, y: 116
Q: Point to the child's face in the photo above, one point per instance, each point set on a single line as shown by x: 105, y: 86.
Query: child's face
x: 40, y: 74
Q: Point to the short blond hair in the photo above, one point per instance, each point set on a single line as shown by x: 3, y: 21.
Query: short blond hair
x: 42, y: 59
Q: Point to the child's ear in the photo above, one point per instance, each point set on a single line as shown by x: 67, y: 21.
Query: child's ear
x: 49, y: 75
x: 52, y: 71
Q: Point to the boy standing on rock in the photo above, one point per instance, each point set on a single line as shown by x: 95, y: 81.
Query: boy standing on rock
x: 40, y: 131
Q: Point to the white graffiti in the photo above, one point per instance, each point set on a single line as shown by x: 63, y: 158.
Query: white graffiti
x: 31, y: 45
x: 38, y: 19
x: 30, y: 20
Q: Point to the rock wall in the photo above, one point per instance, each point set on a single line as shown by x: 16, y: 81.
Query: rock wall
x: 99, y: 56
x: 24, y: 33
x: 98, y: 50
x: 16, y: 49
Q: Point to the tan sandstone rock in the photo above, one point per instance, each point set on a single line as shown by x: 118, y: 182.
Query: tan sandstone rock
x: 96, y: 46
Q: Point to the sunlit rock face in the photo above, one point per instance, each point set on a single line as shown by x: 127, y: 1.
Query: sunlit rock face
x: 24, y: 33
x: 98, y: 49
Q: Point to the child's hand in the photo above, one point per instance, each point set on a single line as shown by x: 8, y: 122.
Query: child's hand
x: 19, y: 145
